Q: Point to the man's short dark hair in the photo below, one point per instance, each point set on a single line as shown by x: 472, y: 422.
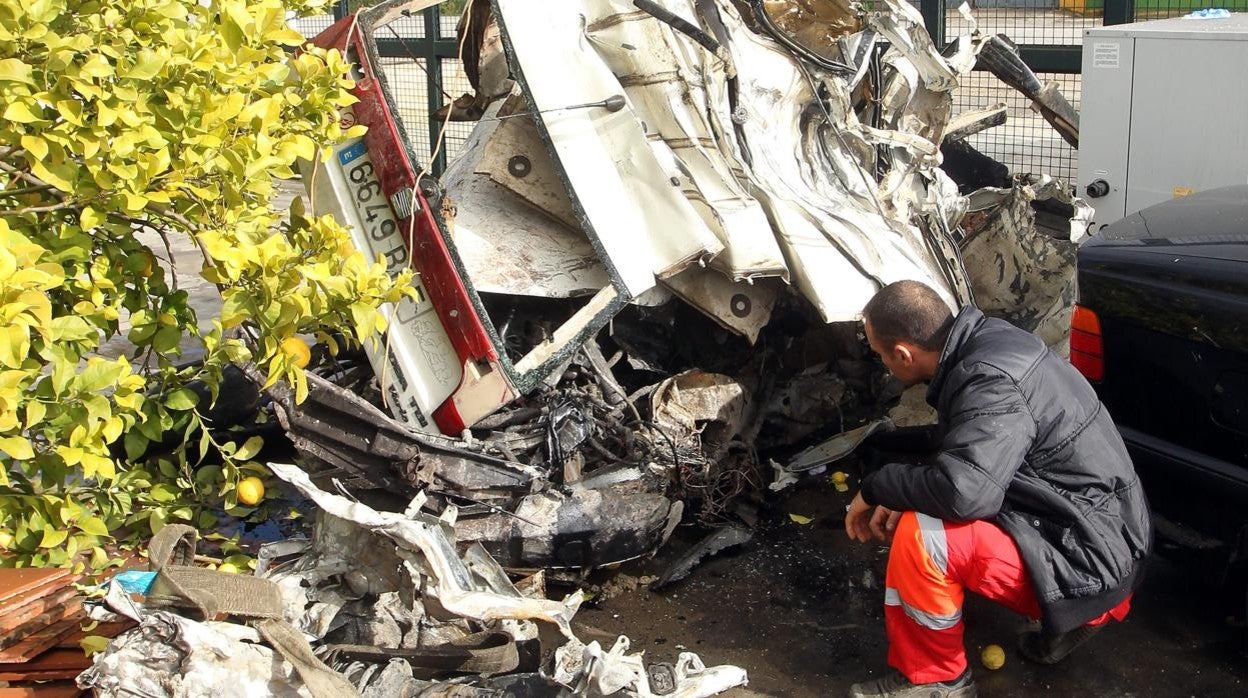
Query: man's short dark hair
x: 909, y: 311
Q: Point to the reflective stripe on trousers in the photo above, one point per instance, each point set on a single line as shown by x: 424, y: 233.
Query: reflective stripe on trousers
x: 923, y: 603
x: 930, y: 565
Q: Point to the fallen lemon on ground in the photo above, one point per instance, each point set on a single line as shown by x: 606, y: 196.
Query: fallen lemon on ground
x: 993, y: 657
x: 250, y: 491
x: 228, y: 568
x: 840, y: 481
x: 297, y: 350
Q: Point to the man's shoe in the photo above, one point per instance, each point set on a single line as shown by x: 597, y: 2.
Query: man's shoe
x: 1046, y: 649
x: 898, y: 686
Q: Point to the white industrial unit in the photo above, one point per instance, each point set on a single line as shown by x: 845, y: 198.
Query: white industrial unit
x: 1164, y: 112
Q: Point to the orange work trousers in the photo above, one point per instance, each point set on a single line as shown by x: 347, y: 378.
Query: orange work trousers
x: 930, y: 566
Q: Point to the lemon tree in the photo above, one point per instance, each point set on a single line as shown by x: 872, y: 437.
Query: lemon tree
x: 130, y: 120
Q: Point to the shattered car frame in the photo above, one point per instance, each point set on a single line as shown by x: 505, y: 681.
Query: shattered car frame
x: 669, y: 148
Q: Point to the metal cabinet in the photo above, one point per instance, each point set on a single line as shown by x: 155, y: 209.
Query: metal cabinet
x: 1164, y: 112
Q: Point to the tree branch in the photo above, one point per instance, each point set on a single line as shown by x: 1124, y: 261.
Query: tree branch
x: 25, y: 190
x: 30, y: 178
x: 164, y: 237
x: 38, y: 209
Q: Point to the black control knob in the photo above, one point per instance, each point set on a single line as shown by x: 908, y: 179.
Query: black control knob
x: 1098, y: 188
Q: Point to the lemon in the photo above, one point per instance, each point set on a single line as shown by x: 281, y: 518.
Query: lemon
x: 297, y: 350
x: 841, y: 481
x: 250, y: 491
x: 993, y: 657
x: 228, y: 568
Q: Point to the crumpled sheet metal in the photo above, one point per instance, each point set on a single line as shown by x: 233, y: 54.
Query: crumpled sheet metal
x: 682, y: 405
x: 644, y: 227
x: 453, y: 582
x: 721, y: 539
x: 168, y: 655
x: 172, y: 655
x: 836, y: 448
x: 843, y: 235
x: 754, y: 164
x: 1019, y: 271
x: 590, y: 671
x: 514, y: 226
x: 586, y: 528
x: 815, y: 24
x: 661, y: 71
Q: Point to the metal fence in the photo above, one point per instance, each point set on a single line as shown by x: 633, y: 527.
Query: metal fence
x: 1050, y: 36
x: 420, y: 59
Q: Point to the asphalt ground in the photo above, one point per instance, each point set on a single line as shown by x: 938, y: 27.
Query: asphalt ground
x: 800, y: 608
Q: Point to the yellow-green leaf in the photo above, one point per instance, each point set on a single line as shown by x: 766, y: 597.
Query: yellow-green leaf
x: 97, y: 67
x: 799, y: 519
x: 249, y: 449
x: 92, y: 525
x: 53, y: 537
x: 21, y: 113
x: 17, y: 447
x: 181, y: 399
x: 147, y: 66
x: 35, y: 412
x: 14, y: 70
x: 14, y: 345
x: 90, y: 218
x: 59, y: 176
x: 36, y: 145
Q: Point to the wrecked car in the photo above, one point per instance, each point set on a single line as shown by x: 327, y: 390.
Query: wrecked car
x: 657, y: 167
x: 646, y: 263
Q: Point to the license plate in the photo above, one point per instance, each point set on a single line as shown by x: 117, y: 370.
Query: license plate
x: 420, y: 364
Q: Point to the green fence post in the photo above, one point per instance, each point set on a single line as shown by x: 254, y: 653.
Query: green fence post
x: 1119, y: 12
x: 933, y: 12
x: 433, y: 70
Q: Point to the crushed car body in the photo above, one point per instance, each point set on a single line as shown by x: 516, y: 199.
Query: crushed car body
x: 686, y: 154
x: 756, y: 170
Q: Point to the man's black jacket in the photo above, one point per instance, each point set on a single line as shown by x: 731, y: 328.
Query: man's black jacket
x: 1027, y: 444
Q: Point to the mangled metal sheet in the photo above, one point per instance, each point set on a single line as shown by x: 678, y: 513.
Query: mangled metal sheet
x: 586, y: 528
x: 514, y: 226
x: 393, y: 607
x: 625, y: 197
x: 1021, y: 263
x: 744, y: 308
x: 814, y: 25
x: 664, y: 72
x: 783, y: 179
x: 588, y: 670
x: 1001, y: 57
x: 168, y: 655
x: 454, y: 587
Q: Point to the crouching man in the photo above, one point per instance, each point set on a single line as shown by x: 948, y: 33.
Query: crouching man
x: 1030, y: 498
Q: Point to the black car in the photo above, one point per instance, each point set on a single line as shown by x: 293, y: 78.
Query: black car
x: 1161, y: 330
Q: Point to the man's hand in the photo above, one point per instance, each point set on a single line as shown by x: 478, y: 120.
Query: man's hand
x: 863, y: 521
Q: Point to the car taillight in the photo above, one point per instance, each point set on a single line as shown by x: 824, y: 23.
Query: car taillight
x: 1087, y: 350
